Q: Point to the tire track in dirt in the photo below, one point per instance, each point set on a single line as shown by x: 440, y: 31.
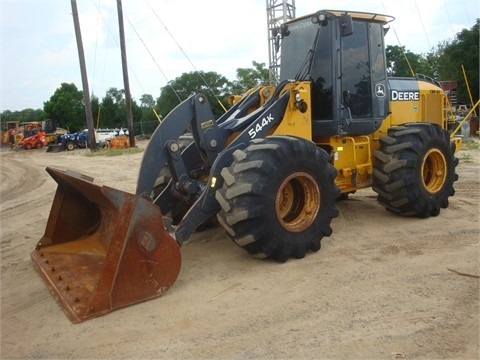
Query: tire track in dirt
x: 18, y: 177
x: 24, y: 189
x: 379, y: 288
x: 24, y: 194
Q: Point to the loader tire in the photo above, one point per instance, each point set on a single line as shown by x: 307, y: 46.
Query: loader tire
x: 278, y: 197
x: 414, y: 170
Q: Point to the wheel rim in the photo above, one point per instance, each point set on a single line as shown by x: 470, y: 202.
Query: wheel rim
x: 434, y: 170
x: 297, y: 202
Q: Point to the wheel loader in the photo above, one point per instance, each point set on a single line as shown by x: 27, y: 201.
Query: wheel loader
x: 270, y: 169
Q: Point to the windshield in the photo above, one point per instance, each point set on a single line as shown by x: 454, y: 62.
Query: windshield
x: 295, y: 47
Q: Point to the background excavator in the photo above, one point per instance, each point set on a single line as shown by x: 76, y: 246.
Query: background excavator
x: 270, y: 169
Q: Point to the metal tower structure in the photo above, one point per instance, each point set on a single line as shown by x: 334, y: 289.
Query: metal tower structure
x: 278, y: 12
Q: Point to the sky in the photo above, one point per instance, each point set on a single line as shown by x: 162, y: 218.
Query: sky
x: 166, y: 38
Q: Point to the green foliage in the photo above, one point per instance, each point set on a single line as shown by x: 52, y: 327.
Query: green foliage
x: 248, y: 78
x: 147, y: 105
x: 25, y: 115
x: 470, y: 144
x: 146, y: 100
x: 217, y: 90
x: 443, y: 63
x: 66, y: 107
x: 213, y: 85
x: 95, y: 103
x: 463, y: 50
x: 113, y: 110
x: 401, y: 62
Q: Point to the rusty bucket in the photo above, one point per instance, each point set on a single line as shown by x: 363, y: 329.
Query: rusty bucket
x: 103, y: 248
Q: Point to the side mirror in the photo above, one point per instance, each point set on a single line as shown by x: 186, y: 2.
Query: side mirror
x: 346, y: 25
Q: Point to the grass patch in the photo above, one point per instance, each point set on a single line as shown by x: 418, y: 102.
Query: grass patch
x: 466, y: 158
x: 470, y: 144
x: 114, y: 152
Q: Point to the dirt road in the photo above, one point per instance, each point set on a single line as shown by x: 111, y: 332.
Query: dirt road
x: 381, y: 287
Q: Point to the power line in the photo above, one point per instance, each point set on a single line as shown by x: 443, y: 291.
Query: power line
x: 186, y: 56
x: 423, y: 26
x: 117, y: 43
x: 153, y: 58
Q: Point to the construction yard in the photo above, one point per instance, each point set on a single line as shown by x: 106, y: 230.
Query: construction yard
x: 381, y: 287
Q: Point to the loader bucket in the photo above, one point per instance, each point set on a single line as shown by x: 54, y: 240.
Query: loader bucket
x: 103, y: 248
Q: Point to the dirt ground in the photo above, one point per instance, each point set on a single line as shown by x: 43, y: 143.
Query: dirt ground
x: 381, y: 287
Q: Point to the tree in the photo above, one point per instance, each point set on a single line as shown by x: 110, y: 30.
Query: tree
x: 463, y: 50
x: 66, y: 107
x: 146, y: 100
x: 23, y: 115
x: 113, y: 109
x: 96, y: 111
x: 248, y: 78
x: 212, y: 84
x: 397, y: 64
x: 147, y: 104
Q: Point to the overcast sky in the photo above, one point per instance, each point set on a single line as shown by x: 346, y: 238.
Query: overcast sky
x: 166, y: 38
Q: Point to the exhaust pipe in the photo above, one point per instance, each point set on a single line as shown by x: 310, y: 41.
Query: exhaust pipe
x: 103, y: 248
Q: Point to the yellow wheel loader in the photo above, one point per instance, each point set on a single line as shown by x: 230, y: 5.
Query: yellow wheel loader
x: 270, y: 169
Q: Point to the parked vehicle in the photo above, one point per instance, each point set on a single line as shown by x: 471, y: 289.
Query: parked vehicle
x: 36, y: 141
x: 69, y: 142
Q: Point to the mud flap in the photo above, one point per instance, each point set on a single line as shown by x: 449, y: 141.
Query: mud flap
x: 103, y: 248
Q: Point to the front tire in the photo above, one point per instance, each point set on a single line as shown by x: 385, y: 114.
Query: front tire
x: 70, y: 146
x: 414, y: 170
x: 278, y: 197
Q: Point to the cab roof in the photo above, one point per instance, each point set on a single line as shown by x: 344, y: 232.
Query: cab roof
x: 354, y: 14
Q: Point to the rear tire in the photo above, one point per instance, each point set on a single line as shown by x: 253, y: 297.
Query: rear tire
x: 278, y: 197
x: 414, y: 170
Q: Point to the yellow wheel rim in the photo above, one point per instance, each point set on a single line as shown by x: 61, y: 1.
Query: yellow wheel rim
x: 434, y: 171
x: 297, y: 202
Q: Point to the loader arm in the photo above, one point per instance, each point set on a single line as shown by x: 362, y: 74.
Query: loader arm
x: 210, y: 145
x: 206, y: 205
x: 196, y: 112
x: 155, y: 157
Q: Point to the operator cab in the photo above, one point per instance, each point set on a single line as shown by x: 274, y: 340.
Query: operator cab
x: 342, y: 54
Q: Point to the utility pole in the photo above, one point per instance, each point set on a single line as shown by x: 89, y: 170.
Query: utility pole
x: 128, y: 97
x: 83, y: 70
